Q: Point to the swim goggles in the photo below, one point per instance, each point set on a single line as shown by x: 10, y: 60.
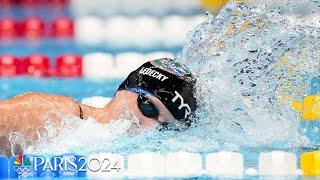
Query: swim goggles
x: 145, y: 105
x: 149, y: 109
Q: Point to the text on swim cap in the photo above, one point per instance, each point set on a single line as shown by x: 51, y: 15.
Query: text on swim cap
x: 153, y: 73
x: 182, y: 104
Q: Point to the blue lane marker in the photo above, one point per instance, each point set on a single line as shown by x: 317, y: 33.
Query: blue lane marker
x: 4, y: 167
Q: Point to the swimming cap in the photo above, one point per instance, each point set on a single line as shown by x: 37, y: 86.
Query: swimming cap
x: 170, y: 82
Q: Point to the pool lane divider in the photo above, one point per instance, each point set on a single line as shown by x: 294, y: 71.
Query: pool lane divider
x: 153, y: 165
x: 35, y: 28
x: 34, y: 3
x: 310, y: 163
x: 96, y: 65
x: 118, y: 31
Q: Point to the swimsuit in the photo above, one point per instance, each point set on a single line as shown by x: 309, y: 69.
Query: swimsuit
x: 81, y: 112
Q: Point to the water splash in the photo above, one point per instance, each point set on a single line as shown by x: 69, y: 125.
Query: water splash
x: 79, y: 136
x: 250, y: 62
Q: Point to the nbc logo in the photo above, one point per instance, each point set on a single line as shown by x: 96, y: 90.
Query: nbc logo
x: 22, y: 165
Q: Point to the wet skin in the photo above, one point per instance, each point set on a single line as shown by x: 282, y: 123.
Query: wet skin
x: 29, y: 114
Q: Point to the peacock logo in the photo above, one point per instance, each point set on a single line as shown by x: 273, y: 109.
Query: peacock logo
x: 22, y: 160
x: 22, y: 165
x: 310, y: 106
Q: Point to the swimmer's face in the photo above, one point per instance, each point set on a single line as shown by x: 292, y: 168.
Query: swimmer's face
x: 125, y: 106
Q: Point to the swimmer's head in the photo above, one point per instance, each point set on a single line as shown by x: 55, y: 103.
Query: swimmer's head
x: 169, y: 82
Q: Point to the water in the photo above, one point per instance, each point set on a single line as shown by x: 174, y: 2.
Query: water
x: 250, y: 62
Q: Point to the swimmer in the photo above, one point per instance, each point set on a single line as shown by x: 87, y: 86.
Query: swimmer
x: 157, y: 93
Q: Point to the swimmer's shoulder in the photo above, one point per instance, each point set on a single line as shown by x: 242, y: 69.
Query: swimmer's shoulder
x: 39, y: 97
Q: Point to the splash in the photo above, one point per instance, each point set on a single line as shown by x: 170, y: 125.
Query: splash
x: 251, y: 62
x: 80, y: 136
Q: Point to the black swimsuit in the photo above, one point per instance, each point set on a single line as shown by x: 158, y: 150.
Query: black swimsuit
x: 81, y: 112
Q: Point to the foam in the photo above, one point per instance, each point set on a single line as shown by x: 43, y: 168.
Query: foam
x: 74, y: 133
x: 228, y: 118
x: 250, y: 61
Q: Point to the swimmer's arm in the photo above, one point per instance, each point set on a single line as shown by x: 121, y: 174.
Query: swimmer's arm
x: 27, y: 112
x: 39, y: 101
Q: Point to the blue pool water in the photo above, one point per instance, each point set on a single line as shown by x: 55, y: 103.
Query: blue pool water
x: 55, y: 47
x: 250, y: 63
x: 10, y: 87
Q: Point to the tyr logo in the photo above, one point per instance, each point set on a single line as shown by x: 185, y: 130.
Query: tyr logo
x: 182, y: 104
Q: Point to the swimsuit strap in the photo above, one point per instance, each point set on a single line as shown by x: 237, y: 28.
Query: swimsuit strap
x: 81, y: 112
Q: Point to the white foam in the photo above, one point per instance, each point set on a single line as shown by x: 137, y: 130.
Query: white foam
x: 99, y: 66
x: 96, y: 101
x: 146, y: 165
x: 89, y: 30
x: 312, y: 20
x: 73, y: 133
x: 183, y: 164
x: 224, y: 164
x: 277, y: 163
x: 234, y: 63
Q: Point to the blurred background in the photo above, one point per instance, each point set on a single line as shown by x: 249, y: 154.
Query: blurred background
x: 53, y: 27
x: 83, y: 48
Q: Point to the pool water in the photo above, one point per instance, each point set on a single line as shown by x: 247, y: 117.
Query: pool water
x: 250, y: 63
x: 84, y: 88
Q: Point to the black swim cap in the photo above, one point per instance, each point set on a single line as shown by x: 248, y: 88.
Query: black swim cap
x: 170, y: 82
